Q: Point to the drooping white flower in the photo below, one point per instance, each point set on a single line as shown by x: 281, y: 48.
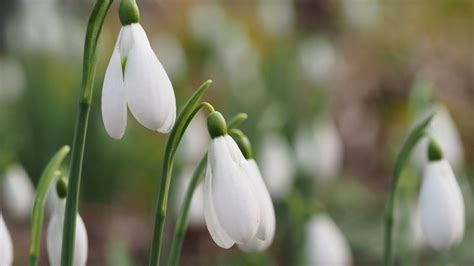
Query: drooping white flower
x: 319, y: 150
x: 6, y: 246
x: 230, y: 209
x: 276, y: 162
x: 444, y: 130
x: 195, y: 140
x: 317, y: 60
x: 277, y: 16
x: 196, y: 209
x: 136, y: 78
x: 55, y: 237
x: 18, y: 192
x: 325, y: 244
x: 266, y: 231
x: 441, y: 206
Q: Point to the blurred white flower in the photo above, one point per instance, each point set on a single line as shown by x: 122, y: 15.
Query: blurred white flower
x: 361, y: 14
x: 42, y: 27
x: 230, y: 209
x: 55, y: 237
x: 317, y: 60
x: 171, y: 55
x: 441, y: 206
x: 12, y: 79
x: 266, y: 231
x: 418, y: 240
x: 326, y: 245
x: 195, y: 140
x: 136, y: 78
x: 319, y: 150
x: 207, y: 22
x: 18, y: 192
x: 444, y: 130
x: 277, y: 165
x: 6, y: 246
x: 277, y: 16
x: 196, y: 209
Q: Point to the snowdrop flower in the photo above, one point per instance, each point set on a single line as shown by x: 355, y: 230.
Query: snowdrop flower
x: 55, y: 233
x: 325, y: 244
x: 196, y: 210
x: 362, y: 14
x: 230, y: 210
x: 317, y: 60
x: 444, y: 130
x: 441, y: 205
x: 277, y: 17
x: 266, y: 231
x: 18, y: 192
x: 6, y: 246
x: 195, y: 140
x: 277, y: 165
x: 319, y: 150
x: 135, y: 78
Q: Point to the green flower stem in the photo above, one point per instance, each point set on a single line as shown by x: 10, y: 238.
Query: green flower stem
x: 44, y: 185
x: 94, y: 28
x: 182, y: 222
x: 415, y: 135
x: 189, y: 110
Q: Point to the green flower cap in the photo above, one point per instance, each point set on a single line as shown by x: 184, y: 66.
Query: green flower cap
x: 61, y: 186
x: 128, y: 12
x: 435, y: 153
x: 243, y: 142
x: 216, y: 125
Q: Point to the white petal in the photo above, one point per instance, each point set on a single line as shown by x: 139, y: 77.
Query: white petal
x: 55, y: 234
x: 114, y: 106
x: 233, y: 195
x: 267, y: 213
x: 441, y: 206
x: 18, y: 192
x: 149, y: 92
x: 326, y: 245
x: 6, y: 246
x: 218, y: 234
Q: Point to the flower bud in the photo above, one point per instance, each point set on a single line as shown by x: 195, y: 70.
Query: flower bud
x: 128, y: 12
x: 216, y: 125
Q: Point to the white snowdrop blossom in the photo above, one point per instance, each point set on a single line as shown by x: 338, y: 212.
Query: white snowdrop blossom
x: 196, y: 209
x: 277, y: 16
x: 195, y: 140
x: 18, y: 192
x: 361, y: 14
x: 230, y: 209
x: 135, y: 77
x: 325, y: 243
x: 6, y: 246
x: 55, y: 236
x: 441, y: 206
x: 317, y: 60
x: 266, y: 231
x: 319, y: 150
x: 276, y: 162
x: 444, y: 130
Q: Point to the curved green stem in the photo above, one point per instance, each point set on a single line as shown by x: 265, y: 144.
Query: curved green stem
x: 415, y: 135
x: 182, y: 222
x: 94, y: 28
x: 190, y: 109
x: 42, y: 189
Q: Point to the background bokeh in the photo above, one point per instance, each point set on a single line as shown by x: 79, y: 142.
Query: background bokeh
x: 331, y: 88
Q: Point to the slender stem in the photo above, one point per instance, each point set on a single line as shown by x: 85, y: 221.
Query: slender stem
x: 182, y: 222
x: 190, y: 109
x: 43, y: 187
x: 94, y: 28
x: 415, y: 135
